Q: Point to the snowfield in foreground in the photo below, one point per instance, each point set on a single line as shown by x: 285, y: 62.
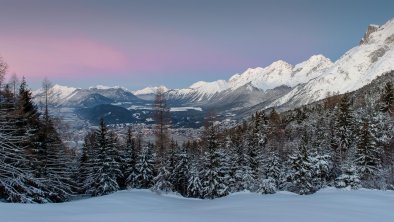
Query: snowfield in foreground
x: 143, y: 205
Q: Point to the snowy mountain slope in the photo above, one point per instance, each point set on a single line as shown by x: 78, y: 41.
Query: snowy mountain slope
x: 149, y: 90
x: 327, y: 205
x: 356, y: 68
x: 56, y: 94
x: 277, y: 74
x: 73, y: 97
x: 148, y: 93
x: 89, y: 96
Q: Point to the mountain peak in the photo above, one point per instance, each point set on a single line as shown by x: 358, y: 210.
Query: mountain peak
x: 280, y: 64
x: 149, y: 90
x: 371, y: 29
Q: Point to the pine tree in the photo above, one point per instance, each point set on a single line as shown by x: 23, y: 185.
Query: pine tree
x: 367, y: 157
x: 321, y: 169
x: 28, y: 120
x: 230, y: 160
x: 348, y: 178
x: 106, y: 168
x: 58, y: 164
x: 387, y: 98
x: 194, y: 187
x: 181, y: 172
x: 87, y: 164
x: 344, y: 133
x: 302, y: 171
x: 162, y: 182
x: 17, y: 181
x: 267, y: 186
x: 146, y: 167
x: 273, y: 167
x: 213, y: 183
x: 133, y: 149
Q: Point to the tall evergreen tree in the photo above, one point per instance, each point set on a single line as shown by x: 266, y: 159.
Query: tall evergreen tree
x: 133, y: 149
x: 387, y: 98
x: 106, y: 168
x: 146, y: 167
x: 344, y: 132
x: 368, y: 156
x: 213, y: 182
x: 301, y: 169
x: 181, y: 171
x: 195, y: 187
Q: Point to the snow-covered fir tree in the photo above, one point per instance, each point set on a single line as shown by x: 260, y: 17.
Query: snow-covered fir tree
x: 194, y: 184
x: 181, y: 171
x: 107, y: 169
x: 368, y: 157
x: 146, y: 167
x: 133, y: 151
x: 348, y: 178
x: 212, y: 181
x: 301, y: 174
x: 162, y: 182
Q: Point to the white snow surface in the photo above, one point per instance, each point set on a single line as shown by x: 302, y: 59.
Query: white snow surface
x: 149, y: 90
x: 327, y: 205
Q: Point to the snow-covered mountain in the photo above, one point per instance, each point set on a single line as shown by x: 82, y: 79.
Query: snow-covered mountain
x: 149, y: 90
x: 75, y: 97
x: 356, y: 68
x: 148, y: 93
x: 254, y: 82
x: 57, y: 94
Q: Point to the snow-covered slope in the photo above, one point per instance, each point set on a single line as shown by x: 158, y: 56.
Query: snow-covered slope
x: 356, y: 68
x: 142, y: 205
x: 149, y: 90
x: 277, y: 74
x: 281, y: 73
x: 56, y: 94
x: 74, y: 97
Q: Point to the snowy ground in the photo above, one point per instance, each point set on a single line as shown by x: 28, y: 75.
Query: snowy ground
x: 145, y: 206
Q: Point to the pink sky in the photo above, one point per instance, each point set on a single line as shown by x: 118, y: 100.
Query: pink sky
x: 39, y: 56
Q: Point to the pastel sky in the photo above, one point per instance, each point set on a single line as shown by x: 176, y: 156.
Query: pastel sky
x: 138, y: 43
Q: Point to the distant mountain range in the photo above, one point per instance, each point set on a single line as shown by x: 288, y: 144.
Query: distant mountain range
x: 280, y: 84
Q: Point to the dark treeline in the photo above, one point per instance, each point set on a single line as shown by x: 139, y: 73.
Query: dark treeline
x: 35, y: 166
x: 341, y: 142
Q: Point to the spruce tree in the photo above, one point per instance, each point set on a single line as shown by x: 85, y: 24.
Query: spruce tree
x: 146, y: 167
x: 133, y: 149
x: 181, y: 171
x: 344, y: 132
x: 194, y: 186
x: 106, y: 168
x: 368, y: 156
x: 387, y: 98
x: 301, y: 169
x: 213, y: 184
